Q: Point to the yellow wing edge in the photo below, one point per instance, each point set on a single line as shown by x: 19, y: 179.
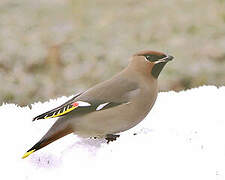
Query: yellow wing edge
x: 62, y: 113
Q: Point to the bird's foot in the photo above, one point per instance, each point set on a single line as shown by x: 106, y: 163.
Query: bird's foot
x: 111, y: 137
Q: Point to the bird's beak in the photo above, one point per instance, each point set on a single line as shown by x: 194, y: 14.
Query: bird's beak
x: 165, y: 59
x: 168, y: 58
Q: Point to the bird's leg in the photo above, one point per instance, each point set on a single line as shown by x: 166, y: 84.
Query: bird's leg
x: 111, y: 137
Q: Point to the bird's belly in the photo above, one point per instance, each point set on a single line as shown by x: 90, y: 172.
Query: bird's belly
x: 110, y: 121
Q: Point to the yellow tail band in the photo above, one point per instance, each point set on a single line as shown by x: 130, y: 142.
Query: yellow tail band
x: 28, y: 153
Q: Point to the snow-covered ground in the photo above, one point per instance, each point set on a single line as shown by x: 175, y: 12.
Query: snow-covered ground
x: 183, y: 137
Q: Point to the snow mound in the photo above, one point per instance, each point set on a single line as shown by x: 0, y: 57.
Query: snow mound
x: 183, y: 137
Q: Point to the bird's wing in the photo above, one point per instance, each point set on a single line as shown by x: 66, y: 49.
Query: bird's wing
x: 95, y: 99
x: 58, y: 110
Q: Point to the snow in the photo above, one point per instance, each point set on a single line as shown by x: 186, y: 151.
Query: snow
x: 183, y: 137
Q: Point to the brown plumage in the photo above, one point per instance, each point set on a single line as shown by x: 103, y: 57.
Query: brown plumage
x: 110, y: 107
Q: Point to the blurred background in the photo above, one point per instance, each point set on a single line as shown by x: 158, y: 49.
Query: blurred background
x: 60, y: 47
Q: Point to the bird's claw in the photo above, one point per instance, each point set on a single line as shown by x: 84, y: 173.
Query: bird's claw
x: 111, y: 137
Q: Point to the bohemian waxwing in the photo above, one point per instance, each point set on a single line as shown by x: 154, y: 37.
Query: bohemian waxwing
x: 110, y: 107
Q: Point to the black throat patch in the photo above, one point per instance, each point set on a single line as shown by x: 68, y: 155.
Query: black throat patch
x: 157, y: 68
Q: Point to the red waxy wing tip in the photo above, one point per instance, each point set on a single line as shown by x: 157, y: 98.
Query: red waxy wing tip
x: 75, y: 104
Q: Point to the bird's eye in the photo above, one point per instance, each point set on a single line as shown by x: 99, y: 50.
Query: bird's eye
x: 147, y: 57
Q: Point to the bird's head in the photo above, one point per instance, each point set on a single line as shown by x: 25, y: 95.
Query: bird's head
x: 152, y: 61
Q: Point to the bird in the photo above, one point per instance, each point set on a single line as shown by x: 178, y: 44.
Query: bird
x: 110, y: 107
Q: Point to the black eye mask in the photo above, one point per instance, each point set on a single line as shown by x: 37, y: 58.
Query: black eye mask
x: 154, y: 57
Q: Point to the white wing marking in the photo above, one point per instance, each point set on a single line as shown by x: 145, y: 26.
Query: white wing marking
x: 82, y: 103
x: 101, y: 106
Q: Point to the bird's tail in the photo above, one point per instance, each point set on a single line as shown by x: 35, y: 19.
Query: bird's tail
x: 33, y: 149
x: 51, y: 136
